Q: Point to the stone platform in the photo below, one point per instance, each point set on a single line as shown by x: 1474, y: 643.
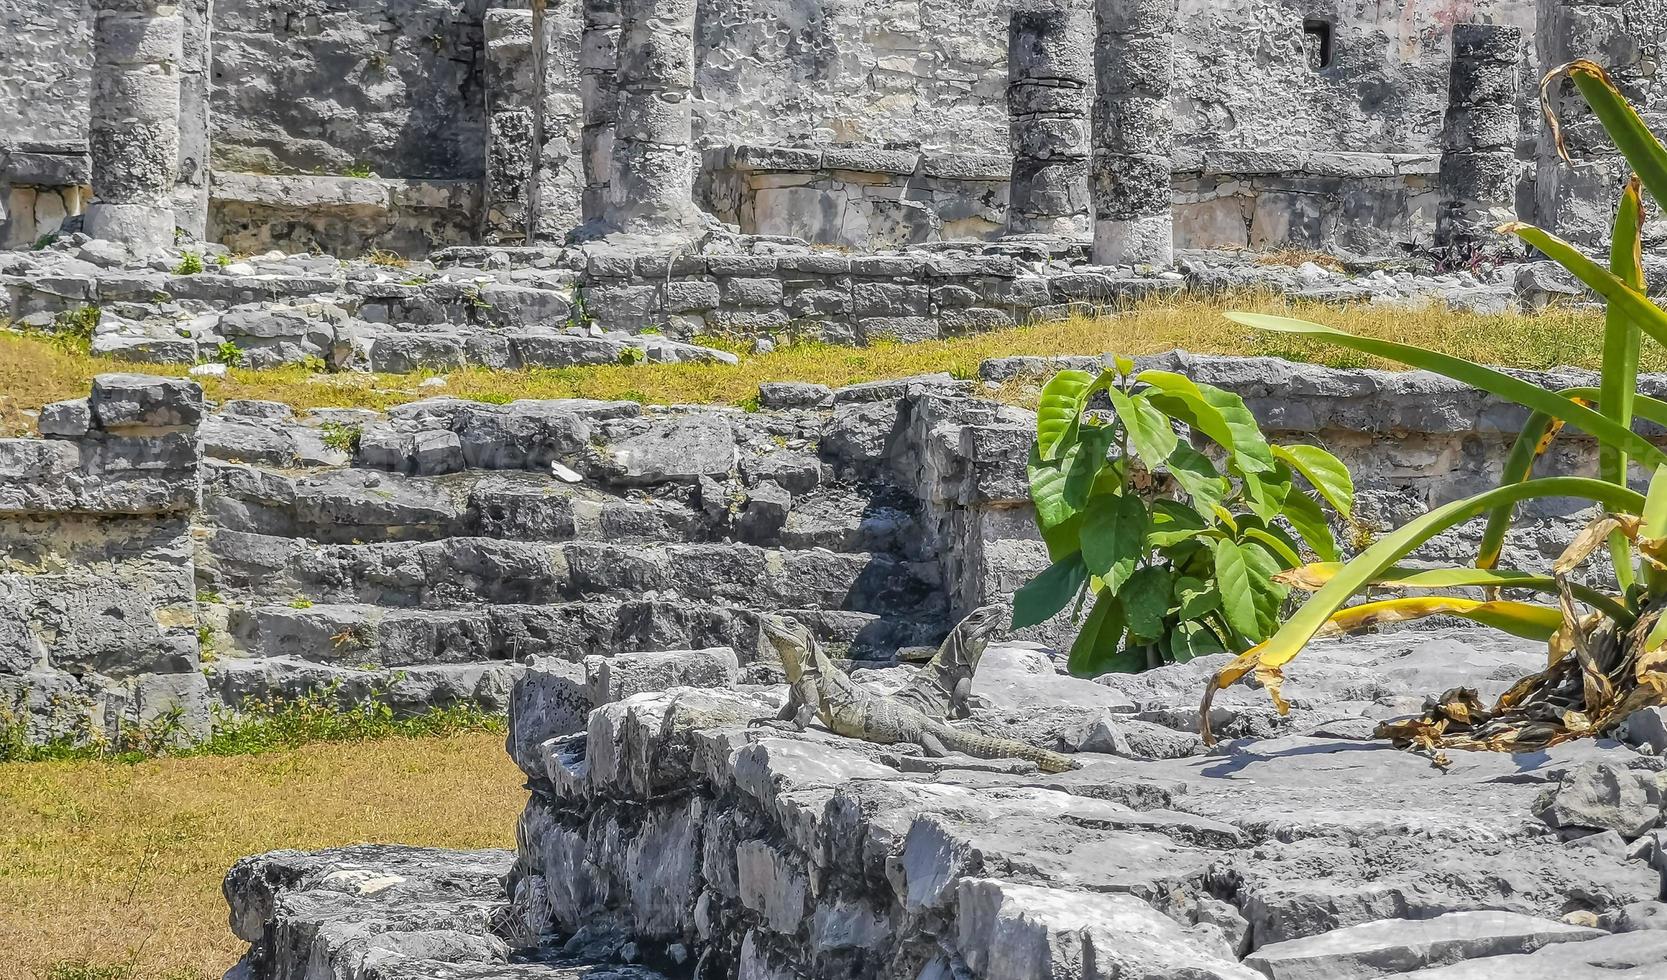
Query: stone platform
x: 669, y: 833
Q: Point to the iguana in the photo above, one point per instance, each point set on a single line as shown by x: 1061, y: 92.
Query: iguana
x: 791, y: 642
x: 944, y: 687
x: 849, y: 709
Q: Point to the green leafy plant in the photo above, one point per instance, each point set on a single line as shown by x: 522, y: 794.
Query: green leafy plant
x: 1173, y: 555
x: 358, y: 169
x: 72, y: 330
x: 632, y: 355
x: 190, y: 263
x: 222, y: 260
x: 228, y: 353
x: 341, y: 436
x: 1607, y: 646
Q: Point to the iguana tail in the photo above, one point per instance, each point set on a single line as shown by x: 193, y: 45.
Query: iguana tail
x: 984, y: 747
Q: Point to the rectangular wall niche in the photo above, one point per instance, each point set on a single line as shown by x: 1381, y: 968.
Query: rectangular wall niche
x: 1316, y: 41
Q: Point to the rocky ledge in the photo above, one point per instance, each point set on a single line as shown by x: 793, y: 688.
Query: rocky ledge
x: 671, y: 834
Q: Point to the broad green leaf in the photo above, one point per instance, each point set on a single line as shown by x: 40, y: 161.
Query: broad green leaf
x: 1145, y: 599
x: 1189, y: 640
x: 1124, y: 365
x: 1280, y: 550
x: 1085, y: 460
x: 1098, y: 646
x: 1267, y: 593
x: 1059, y: 409
x: 1047, y: 490
x: 1196, y: 597
x: 1197, y: 476
x: 1063, y: 538
x: 1522, y: 392
x: 1044, y: 596
x: 1150, y: 432
x: 1324, y: 471
x: 1113, y: 537
x: 1623, y: 124
x: 1250, y: 449
x: 1238, y: 595
x: 1172, y: 523
x: 1392, y: 547
x: 1265, y: 493
x: 1309, y: 521
x: 1177, y: 396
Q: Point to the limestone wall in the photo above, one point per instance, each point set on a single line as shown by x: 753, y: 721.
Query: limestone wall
x: 323, y: 86
x: 98, y: 614
x: 45, y: 50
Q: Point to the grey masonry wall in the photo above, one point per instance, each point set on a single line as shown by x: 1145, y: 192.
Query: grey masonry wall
x: 98, y: 611
x: 1310, y: 123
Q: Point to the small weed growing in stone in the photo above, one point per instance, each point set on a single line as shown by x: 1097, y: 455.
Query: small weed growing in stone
x: 632, y: 355
x: 208, y: 596
x: 228, y: 353
x: 190, y: 263
x: 222, y: 260
x: 72, y: 330
x: 387, y: 258
x: 45, y: 241
x: 342, y: 436
x: 358, y: 169
x: 300, y: 602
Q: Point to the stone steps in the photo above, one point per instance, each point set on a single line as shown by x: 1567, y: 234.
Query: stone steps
x: 365, y: 636
x: 465, y: 571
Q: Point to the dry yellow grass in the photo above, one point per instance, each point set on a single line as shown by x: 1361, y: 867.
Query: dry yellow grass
x: 119, y: 866
x: 33, y: 372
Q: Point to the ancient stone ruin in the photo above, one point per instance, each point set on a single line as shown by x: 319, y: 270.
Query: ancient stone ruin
x: 425, y: 186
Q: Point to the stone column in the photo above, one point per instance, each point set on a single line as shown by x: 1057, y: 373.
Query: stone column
x: 134, y: 128
x: 1479, y: 169
x: 651, y: 182
x: 1134, y: 132
x: 599, y: 94
x: 1050, y: 69
x: 196, y: 59
x: 1577, y: 198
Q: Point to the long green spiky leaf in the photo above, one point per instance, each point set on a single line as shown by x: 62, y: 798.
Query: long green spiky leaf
x: 1632, y: 303
x: 1315, y: 575
x: 1515, y: 389
x: 1536, y: 437
x: 1621, y: 121
x: 1307, y: 621
x: 1619, y: 384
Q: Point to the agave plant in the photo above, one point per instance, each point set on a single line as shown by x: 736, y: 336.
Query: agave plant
x: 1607, y: 647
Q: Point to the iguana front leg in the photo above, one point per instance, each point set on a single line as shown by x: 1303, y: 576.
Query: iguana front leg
x: 960, y: 699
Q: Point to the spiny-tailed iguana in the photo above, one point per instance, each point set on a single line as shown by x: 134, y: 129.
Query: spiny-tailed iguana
x: 803, y: 698
x: 944, y: 687
x: 849, y: 709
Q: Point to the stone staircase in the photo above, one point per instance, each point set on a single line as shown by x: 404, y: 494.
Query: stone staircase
x: 462, y: 540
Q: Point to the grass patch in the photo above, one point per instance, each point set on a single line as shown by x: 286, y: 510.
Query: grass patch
x: 261, y: 726
x: 33, y: 373
x: 112, y: 872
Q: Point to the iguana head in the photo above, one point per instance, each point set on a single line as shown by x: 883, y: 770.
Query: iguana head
x: 786, y: 631
x: 982, y: 623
